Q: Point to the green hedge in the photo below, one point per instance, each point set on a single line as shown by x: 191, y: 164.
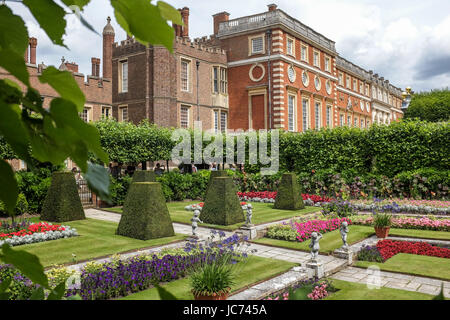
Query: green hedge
x: 21, y: 206
x: 289, y: 193
x: 145, y: 214
x: 62, y: 202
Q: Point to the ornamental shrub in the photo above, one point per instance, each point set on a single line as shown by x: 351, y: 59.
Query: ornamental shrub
x: 289, y: 196
x: 222, y: 205
x: 145, y: 215
x: 62, y: 202
x: 118, y: 189
x: 144, y: 176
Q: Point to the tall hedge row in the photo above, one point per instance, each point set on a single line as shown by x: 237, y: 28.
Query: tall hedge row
x: 386, y: 150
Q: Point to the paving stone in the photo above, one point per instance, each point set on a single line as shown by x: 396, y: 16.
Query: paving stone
x: 395, y: 285
x: 429, y: 289
x: 433, y: 282
x: 413, y: 285
x: 339, y: 276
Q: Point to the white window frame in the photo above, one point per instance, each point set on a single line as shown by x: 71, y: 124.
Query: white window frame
x: 341, y: 79
x: 188, y: 63
x: 342, y: 120
x: 317, y: 114
x: 316, y: 63
x: 109, y: 111
x: 216, y: 121
x: 223, y: 80
x: 327, y: 65
x: 304, y: 49
x: 123, y: 81
x: 188, y: 108
x: 250, y: 44
x: 121, y: 109
x: 290, y: 39
x: 329, y: 115
x: 223, y: 127
x: 292, y: 112
x: 348, y: 82
x: 305, y: 114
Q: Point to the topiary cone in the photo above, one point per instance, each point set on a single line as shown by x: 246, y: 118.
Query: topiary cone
x: 145, y: 215
x: 222, y: 205
x: 289, y: 195
x: 144, y: 176
x: 62, y: 202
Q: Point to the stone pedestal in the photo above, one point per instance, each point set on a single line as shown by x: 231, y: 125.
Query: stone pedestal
x: 249, y: 231
x: 344, y: 253
x: 315, y: 269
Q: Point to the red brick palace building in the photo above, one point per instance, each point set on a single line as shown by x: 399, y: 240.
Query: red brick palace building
x: 263, y: 71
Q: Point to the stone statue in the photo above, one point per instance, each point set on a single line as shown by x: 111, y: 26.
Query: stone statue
x: 314, y: 245
x: 249, y: 215
x: 194, y: 220
x: 344, y: 230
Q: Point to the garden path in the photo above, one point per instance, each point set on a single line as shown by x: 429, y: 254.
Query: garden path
x: 334, y: 267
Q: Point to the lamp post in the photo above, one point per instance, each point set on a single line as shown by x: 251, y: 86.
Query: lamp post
x: 407, y: 96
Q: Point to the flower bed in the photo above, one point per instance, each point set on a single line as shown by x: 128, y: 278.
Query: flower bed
x: 389, y: 248
x: 423, y: 223
x: 301, y: 231
x: 404, y: 205
x: 309, y: 289
x: 269, y: 197
x: 37, y: 232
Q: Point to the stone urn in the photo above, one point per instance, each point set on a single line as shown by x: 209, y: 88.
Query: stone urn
x: 382, y: 232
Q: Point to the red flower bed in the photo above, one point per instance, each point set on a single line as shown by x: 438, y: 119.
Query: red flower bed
x: 389, y: 248
x: 273, y: 195
x: 34, y: 228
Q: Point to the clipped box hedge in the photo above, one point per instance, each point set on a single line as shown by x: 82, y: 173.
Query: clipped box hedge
x: 289, y: 195
x: 145, y: 215
x: 144, y: 176
x: 222, y: 205
x: 62, y: 202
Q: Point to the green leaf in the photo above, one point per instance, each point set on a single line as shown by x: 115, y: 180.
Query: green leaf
x: 170, y: 13
x: 58, y: 292
x: 8, y: 188
x: 12, y: 129
x: 27, y: 263
x: 164, y: 294
x: 66, y: 116
x: 97, y: 178
x: 75, y: 297
x: 143, y: 20
x: 79, y: 3
x: 38, y: 294
x: 51, y: 18
x: 64, y: 83
x: 14, y: 34
x: 14, y: 63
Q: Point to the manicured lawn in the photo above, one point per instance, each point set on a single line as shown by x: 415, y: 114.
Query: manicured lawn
x: 414, y: 264
x: 96, y: 239
x: 256, y: 269
x: 359, y: 291
x: 425, y: 234
x: 330, y: 241
x: 262, y: 213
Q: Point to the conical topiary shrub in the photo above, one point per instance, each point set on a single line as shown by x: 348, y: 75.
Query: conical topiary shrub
x: 222, y: 205
x: 145, y: 215
x: 215, y: 174
x: 62, y: 202
x: 144, y: 176
x: 289, y: 195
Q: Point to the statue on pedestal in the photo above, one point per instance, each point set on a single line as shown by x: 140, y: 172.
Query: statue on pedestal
x: 314, y: 245
x: 249, y: 215
x: 194, y: 220
x: 344, y: 230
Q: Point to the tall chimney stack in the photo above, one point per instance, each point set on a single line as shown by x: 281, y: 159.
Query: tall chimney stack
x: 33, y: 45
x: 178, y: 28
x: 218, y: 18
x: 95, y: 67
x: 185, y: 17
x: 108, y: 41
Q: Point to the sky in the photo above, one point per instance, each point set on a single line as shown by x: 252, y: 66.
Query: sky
x: 404, y: 41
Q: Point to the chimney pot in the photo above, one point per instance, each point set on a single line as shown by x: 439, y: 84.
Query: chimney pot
x: 272, y: 7
x: 218, y: 18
